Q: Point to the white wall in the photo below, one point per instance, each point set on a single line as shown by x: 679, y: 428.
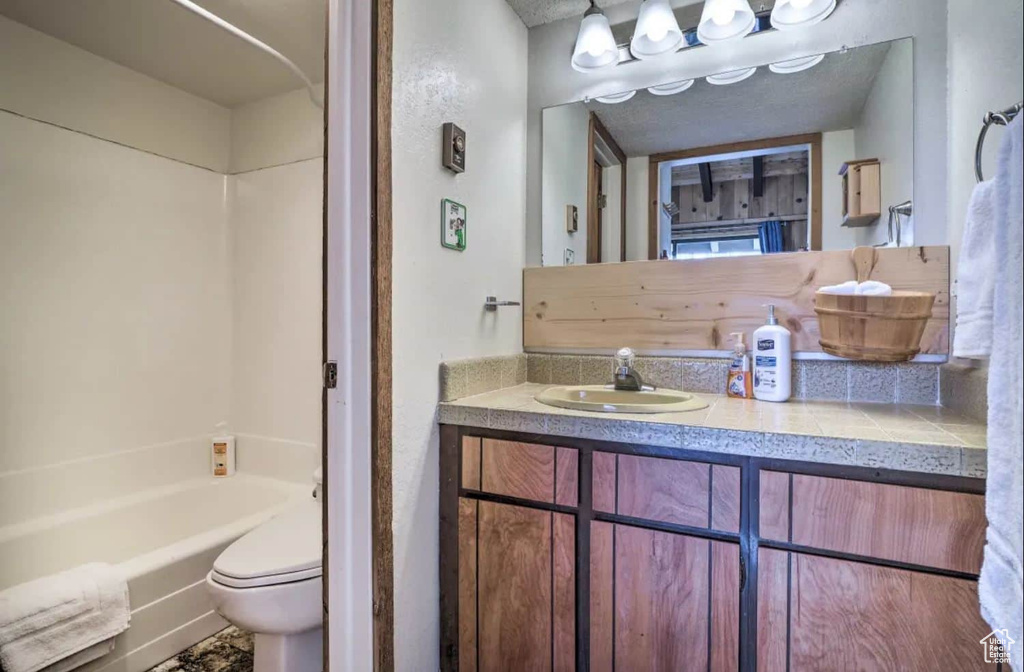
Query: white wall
x: 277, y: 245
x: 836, y: 148
x: 566, y: 133
x: 107, y: 100
x: 116, y: 326
x: 885, y: 131
x: 461, y: 61
x: 636, y: 207
x: 986, y: 73
x: 554, y: 82
x: 148, y: 298
x: 276, y: 130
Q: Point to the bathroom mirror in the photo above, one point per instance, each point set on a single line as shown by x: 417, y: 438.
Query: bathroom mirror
x: 807, y: 154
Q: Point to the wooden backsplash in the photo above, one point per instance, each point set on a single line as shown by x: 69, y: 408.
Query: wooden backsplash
x: 676, y: 306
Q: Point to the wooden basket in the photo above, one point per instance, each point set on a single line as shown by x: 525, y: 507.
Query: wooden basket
x: 873, y: 328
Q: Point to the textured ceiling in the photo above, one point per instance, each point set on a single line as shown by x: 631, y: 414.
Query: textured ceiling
x: 537, y: 12
x: 160, y: 39
x: 827, y: 97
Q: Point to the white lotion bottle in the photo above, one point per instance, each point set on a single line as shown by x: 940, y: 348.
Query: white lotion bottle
x: 773, y: 360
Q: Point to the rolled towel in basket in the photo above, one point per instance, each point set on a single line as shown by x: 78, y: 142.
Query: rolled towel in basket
x: 46, y: 621
x: 852, y: 287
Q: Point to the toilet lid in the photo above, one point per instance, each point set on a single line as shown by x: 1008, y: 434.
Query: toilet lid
x: 285, y: 548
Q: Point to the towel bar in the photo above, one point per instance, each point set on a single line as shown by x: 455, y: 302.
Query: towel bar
x: 999, y: 119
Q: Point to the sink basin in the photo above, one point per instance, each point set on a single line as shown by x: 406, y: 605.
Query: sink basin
x: 605, y: 399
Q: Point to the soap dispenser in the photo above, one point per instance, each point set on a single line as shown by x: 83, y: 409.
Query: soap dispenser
x: 773, y: 360
x: 222, y: 452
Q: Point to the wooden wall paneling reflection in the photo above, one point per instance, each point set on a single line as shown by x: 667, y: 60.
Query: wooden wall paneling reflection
x: 770, y: 199
x: 515, y: 593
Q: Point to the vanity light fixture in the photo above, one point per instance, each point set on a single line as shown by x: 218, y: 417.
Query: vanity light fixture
x: 730, y: 77
x: 790, y: 14
x: 657, y: 31
x: 615, y: 97
x: 725, y: 20
x: 595, y: 44
x: 796, y: 64
x: 670, y: 89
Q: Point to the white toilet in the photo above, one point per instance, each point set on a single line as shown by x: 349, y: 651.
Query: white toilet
x: 269, y: 583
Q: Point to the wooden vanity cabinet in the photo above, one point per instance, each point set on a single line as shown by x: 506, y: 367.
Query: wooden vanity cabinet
x: 598, y: 557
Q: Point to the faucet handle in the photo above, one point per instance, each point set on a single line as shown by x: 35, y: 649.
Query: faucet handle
x: 624, y: 358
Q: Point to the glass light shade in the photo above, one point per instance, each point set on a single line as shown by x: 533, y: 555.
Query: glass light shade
x: 731, y: 77
x: 616, y: 97
x: 796, y: 64
x: 657, y: 31
x: 595, y: 44
x: 671, y: 89
x: 790, y: 14
x: 724, y: 20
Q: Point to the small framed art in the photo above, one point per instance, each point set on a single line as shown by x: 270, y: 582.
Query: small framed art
x: 453, y: 225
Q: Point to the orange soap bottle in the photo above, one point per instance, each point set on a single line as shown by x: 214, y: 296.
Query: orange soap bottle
x: 740, y: 383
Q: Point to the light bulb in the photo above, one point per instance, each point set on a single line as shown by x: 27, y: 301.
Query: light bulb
x: 658, y: 33
x: 723, y: 16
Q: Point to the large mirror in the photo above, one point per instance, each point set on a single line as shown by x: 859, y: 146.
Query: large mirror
x: 811, y: 154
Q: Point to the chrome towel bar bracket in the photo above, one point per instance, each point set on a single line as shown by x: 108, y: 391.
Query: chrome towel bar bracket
x: 491, y: 303
x: 1001, y: 118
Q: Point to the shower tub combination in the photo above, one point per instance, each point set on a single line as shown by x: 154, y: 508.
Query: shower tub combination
x: 151, y: 513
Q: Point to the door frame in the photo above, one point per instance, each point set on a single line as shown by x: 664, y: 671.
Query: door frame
x: 357, y: 562
x: 811, y: 139
x: 597, y: 131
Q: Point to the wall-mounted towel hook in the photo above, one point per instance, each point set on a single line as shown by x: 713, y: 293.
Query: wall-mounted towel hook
x: 1001, y: 118
x: 491, y: 303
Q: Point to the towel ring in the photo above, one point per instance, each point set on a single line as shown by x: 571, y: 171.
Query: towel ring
x: 999, y: 119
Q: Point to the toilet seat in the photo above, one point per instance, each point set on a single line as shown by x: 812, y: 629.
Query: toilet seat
x: 283, y: 550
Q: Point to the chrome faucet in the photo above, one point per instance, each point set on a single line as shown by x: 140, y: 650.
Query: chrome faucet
x: 626, y: 377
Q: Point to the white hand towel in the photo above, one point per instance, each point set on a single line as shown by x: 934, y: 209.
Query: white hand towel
x: 1001, y: 586
x: 867, y: 288
x: 849, y: 287
x: 48, y: 620
x: 975, y: 273
x: 874, y: 288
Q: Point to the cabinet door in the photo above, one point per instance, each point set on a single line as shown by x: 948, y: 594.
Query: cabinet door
x: 516, y: 589
x: 662, y: 601
x: 840, y: 614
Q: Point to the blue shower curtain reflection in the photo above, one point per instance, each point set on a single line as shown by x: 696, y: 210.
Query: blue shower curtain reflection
x: 770, y: 236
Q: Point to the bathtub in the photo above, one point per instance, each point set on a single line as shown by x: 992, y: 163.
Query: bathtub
x: 165, y: 539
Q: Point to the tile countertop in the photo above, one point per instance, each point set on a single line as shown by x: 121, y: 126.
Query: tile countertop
x: 926, y: 439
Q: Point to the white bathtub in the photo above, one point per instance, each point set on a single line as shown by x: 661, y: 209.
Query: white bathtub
x: 165, y: 539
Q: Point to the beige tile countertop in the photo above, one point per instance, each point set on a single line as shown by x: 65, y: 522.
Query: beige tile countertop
x: 927, y: 439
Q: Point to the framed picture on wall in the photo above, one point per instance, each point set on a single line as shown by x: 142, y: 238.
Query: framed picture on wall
x: 453, y: 225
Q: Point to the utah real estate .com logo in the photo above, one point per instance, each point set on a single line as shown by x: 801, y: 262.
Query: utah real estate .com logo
x: 995, y: 652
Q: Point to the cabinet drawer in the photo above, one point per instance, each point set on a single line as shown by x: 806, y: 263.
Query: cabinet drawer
x: 525, y: 470
x: 695, y: 494
x: 932, y: 528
